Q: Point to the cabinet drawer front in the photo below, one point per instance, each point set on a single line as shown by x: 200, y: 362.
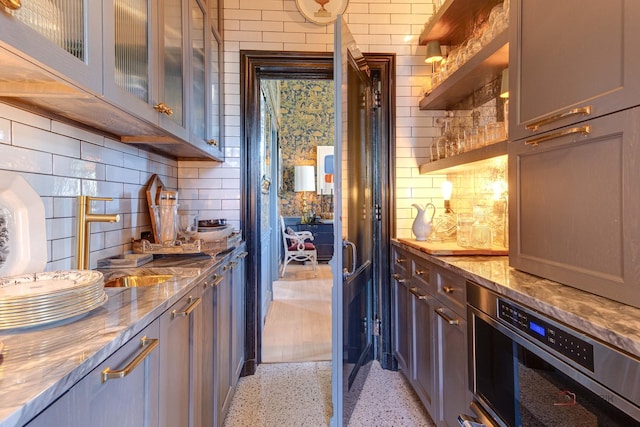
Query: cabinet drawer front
x: 576, y: 205
x: 421, y: 274
x: 400, y: 261
x: 452, y: 290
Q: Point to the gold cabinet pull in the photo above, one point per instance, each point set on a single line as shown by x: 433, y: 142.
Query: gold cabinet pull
x: 418, y: 295
x: 583, y: 130
x: 242, y: 254
x: 147, y: 345
x: 585, y: 111
x: 419, y: 272
x: 187, y: 311
x: 163, y: 109
x: 398, y: 278
x: 217, y: 279
x: 11, y: 4
x: 448, y: 289
x: 212, y: 142
x: 230, y: 266
x: 440, y: 312
x: 400, y: 260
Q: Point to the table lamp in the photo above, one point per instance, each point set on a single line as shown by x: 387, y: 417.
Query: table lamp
x: 305, y: 180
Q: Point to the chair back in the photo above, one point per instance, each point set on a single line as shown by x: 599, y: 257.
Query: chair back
x: 283, y: 228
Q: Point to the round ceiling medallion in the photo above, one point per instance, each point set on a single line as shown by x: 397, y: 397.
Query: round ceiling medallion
x: 321, y: 11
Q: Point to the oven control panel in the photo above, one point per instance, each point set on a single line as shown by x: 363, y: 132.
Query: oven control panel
x: 560, y: 339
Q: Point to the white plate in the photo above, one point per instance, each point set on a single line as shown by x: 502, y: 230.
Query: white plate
x: 47, y: 283
x: 23, y: 241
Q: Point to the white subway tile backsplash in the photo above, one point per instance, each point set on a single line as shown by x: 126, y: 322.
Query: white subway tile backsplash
x: 17, y: 115
x: 42, y: 140
x: 5, y: 131
x: 76, y: 168
x: 25, y: 160
x: 100, y: 154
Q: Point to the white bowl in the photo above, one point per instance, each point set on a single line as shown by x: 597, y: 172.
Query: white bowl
x: 212, y: 235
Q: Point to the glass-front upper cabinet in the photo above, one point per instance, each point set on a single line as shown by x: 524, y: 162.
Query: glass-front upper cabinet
x: 63, y: 36
x: 215, y: 111
x: 144, y: 58
x: 198, y: 72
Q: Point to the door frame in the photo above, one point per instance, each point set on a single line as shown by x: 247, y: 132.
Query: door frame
x: 255, y: 65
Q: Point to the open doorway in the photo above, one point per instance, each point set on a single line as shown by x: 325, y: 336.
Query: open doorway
x: 263, y: 235
x: 297, y: 123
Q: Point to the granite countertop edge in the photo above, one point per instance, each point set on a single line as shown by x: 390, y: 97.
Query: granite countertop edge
x: 31, y: 383
x: 608, y: 321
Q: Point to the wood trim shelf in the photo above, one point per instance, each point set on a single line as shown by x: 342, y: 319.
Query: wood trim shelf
x: 482, y: 153
x: 452, y: 24
x: 484, y: 67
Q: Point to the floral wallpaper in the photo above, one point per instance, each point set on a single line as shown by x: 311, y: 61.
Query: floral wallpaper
x: 306, y: 121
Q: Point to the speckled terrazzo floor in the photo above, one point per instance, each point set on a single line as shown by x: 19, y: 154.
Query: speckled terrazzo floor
x: 299, y: 394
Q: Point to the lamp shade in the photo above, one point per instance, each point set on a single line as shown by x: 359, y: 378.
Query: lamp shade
x: 504, y: 86
x: 434, y: 53
x: 447, y: 189
x: 304, y: 178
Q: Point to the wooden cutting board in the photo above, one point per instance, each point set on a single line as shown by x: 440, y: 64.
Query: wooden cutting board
x: 154, y: 187
x: 451, y: 248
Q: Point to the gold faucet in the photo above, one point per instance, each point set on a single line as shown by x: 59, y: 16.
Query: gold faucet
x: 82, y: 234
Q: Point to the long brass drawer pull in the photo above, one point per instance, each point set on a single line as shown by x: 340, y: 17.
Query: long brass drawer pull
x: 242, y: 254
x: 585, y: 111
x: 418, y: 295
x: 187, y: 311
x: 398, y: 278
x: 440, y: 312
x: 448, y: 289
x: 230, y: 266
x: 217, y: 279
x: 147, y: 345
x: 584, y: 130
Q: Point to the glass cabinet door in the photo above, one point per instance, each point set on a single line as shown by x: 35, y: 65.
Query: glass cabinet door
x: 132, y: 47
x: 198, y: 90
x: 172, y: 59
x: 214, y: 120
x: 63, y: 35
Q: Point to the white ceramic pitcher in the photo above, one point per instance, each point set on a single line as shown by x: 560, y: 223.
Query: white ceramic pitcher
x: 422, y: 224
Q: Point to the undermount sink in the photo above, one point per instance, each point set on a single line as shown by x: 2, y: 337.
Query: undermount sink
x: 137, y: 281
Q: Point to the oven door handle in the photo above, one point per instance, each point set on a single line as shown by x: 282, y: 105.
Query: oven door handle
x: 483, y: 420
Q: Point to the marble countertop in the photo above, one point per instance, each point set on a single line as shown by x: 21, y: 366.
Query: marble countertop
x: 604, y: 319
x: 39, y: 364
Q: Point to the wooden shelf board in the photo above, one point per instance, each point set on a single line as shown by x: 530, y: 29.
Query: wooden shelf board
x: 483, y: 153
x: 453, y: 22
x: 481, y: 69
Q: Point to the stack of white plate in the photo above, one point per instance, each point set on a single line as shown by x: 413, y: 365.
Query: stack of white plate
x: 42, y: 298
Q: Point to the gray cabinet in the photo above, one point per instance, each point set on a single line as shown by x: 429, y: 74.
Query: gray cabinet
x: 401, y: 309
x: 209, y: 348
x: 103, y: 400
x: 63, y: 37
x: 145, y: 60
x: 430, y: 344
x: 581, y: 57
x: 453, y: 389
x: 238, y: 315
x: 180, y: 356
x: 576, y: 206
x: 223, y: 338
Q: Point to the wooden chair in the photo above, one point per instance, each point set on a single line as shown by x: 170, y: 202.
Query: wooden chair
x: 296, y: 248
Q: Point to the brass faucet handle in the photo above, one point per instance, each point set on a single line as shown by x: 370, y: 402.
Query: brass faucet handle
x: 101, y: 199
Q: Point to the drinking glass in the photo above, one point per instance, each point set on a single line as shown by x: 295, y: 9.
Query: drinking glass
x: 464, y: 225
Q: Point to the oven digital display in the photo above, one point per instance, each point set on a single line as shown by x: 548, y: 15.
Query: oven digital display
x: 538, y: 329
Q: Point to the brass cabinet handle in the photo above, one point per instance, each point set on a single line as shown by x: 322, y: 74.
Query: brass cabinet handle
x: 212, y: 142
x: 415, y: 292
x: 147, y: 345
x: 216, y: 281
x: 448, y: 289
x: 163, y: 109
x: 398, y: 278
x: 242, y: 254
x: 230, y: 266
x: 585, y: 111
x: 440, y: 312
x: 584, y: 130
x: 11, y: 4
x: 419, y: 272
x: 187, y: 311
x: 400, y: 260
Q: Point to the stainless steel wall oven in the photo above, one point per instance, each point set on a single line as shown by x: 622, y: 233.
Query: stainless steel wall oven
x: 527, y: 369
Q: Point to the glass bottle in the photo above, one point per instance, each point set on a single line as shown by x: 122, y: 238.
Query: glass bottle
x: 443, y: 144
